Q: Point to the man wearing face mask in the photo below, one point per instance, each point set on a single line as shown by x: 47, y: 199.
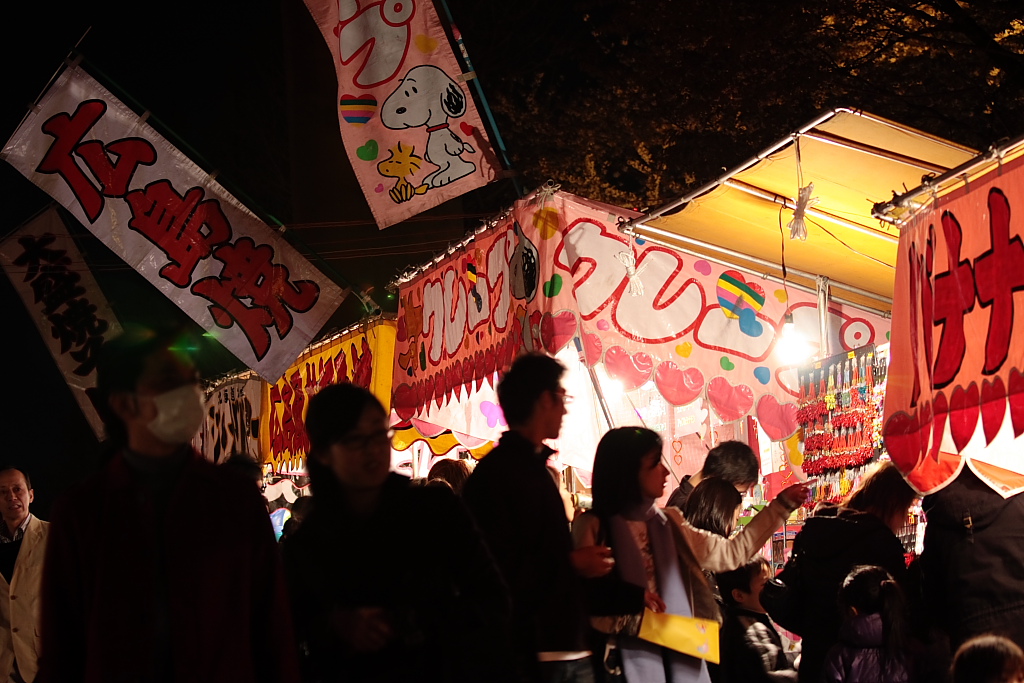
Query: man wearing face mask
x: 135, y: 592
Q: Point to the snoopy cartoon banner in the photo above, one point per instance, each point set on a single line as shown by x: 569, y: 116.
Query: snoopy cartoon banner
x: 409, y: 124
x: 173, y: 223
x: 677, y: 342
x: 956, y: 378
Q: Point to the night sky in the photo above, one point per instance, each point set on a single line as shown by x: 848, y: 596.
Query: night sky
x: 249, y: 89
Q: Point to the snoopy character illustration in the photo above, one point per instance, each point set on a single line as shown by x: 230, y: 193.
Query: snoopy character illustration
x: 428, y: 97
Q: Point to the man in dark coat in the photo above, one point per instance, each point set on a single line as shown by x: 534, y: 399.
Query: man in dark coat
x: 520, y: 513
x: 162, y: 567
x: 973, y: 561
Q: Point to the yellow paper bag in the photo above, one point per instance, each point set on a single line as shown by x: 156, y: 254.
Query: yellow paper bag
x: 689, y: 635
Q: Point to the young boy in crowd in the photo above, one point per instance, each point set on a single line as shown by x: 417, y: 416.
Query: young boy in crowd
x: 751, y: 648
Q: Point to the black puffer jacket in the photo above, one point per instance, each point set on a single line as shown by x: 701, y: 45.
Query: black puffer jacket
x: 973, y: 560
x: 828, y: 547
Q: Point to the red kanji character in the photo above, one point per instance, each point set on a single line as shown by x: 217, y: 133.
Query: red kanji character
x: 185, y: 228
x: 916, y: 277
x: 954, y: 298
x: 998, y: 273
x: 249, y: 272
x: 113, y: 178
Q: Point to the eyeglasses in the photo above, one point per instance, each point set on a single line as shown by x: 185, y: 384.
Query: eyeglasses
x: 565, y: 398
x: 360, y: 442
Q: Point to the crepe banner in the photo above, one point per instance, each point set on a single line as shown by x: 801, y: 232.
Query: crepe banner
x: 232, y: 424
x: 62, y: 296
x: 362, y: 356
x: 677, y: 342
x: 956, y: 376
x: 410, y: 127
x: 170, y: 220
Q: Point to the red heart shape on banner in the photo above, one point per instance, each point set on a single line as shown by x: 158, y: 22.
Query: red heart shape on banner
x: 941, y: 407
x: 557, y: 330
x: 1015, y: 397
x: 993, y: 407
x: 592, y: 348
x: 405, y: 402
x: 963, y: 415
x: 778, y: 420
x: 466, y: 129
x: 678, y: 386
x: 730, y: 402
x: 633, y: 371
x: 902, y: 435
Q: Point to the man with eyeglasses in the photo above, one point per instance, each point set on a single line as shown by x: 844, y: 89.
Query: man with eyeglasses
x: 518, y: 508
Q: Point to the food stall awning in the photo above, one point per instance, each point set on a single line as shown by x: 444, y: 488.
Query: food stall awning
x: 854, y: 161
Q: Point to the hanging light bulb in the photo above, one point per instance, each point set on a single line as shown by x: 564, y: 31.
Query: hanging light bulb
x: 792, y: 347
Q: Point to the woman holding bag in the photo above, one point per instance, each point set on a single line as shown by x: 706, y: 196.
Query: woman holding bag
x: 658, y: 556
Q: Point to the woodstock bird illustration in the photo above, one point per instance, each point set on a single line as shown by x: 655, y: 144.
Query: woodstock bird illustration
x: 401, y: 163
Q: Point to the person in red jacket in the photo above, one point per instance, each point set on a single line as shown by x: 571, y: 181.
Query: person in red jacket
x: 130, y: 591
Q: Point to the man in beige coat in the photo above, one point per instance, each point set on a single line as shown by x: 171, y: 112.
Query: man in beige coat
x: 22, y: 549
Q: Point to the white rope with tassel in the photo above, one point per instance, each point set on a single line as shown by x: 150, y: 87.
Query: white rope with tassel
x: 797, y: 226
x: 636, y: 285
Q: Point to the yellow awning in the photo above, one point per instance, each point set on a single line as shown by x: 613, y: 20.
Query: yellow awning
x: 854, y: 160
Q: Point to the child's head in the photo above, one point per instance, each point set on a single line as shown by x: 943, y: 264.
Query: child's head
x: 988, y: 659
x: 872, y: 590
x: 742, y: 587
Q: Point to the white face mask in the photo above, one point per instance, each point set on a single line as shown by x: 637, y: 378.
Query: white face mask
x: 179, y: 414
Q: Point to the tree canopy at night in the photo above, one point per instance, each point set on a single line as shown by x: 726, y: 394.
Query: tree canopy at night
x: 635, y: 102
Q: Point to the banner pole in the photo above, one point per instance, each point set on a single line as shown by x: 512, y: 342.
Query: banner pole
x: 468, y: 66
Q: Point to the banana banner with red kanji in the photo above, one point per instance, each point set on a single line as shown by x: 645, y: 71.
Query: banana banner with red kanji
x: 955, y: 392
x: 677, y: 342
x: 173, y: 223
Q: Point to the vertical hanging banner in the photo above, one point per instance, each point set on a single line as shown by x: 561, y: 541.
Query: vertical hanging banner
x: 64, y: 300
x: 410, y: 127
x: 232, y: 424
x: 169, y: 220
x: 955, y: 393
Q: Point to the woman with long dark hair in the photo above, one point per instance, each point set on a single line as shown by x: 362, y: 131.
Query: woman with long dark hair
x: 389, y: 582
x: 862, y: 531
x: 658, y: 557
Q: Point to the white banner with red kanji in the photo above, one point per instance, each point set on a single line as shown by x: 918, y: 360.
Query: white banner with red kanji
x: 53, y: 280
x: 171, y: 221
x: 410, y: 127
x: 955, y: 392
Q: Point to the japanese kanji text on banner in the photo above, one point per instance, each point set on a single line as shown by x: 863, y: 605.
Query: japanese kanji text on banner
x: 66, y: 303
x: 410, y: 127
x: 168, y: 219
x: 956, y: 378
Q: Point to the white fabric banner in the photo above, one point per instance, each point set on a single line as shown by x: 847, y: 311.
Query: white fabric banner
x: 171, y: 221
x: 65, y: 302
x: 232, y: 422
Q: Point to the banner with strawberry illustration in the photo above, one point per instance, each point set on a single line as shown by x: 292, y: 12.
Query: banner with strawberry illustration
x: 410, y: 127
x: 677, y: 342
x: 956, y: 378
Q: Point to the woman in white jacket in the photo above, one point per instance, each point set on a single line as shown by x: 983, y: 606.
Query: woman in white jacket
x: 659, y: 557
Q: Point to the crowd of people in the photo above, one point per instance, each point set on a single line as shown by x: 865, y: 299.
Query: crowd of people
x: 482, y: 574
